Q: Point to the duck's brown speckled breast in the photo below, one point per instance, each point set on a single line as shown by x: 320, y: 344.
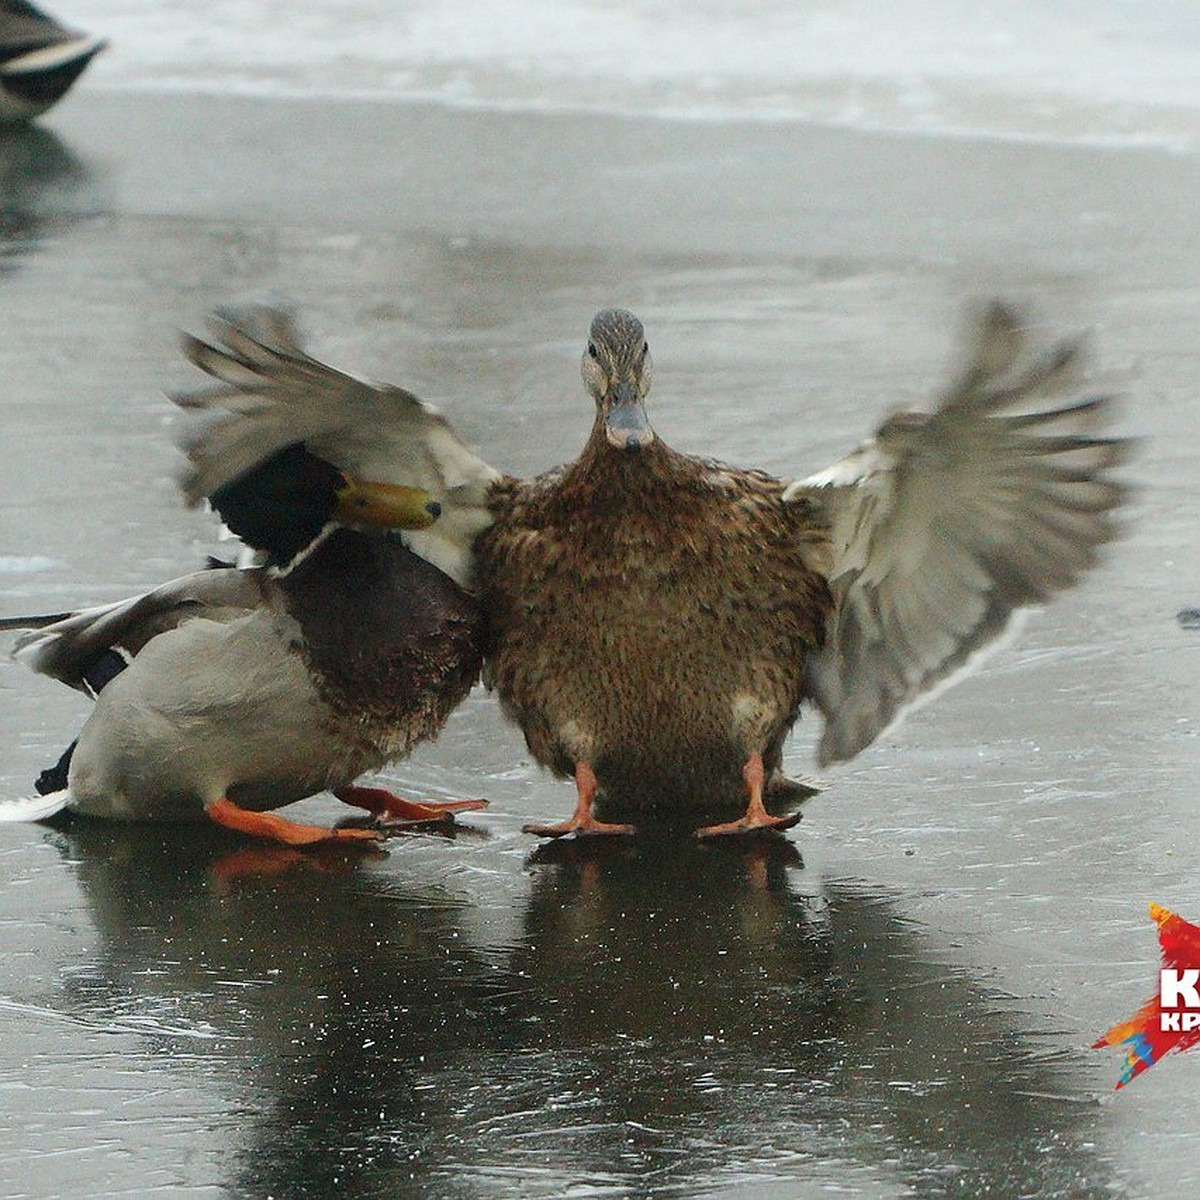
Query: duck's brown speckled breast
x: 649, y: 613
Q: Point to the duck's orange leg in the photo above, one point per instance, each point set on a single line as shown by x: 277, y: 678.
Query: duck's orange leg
x: 389, y: 807
x: 756, y: 815
x: 279, y: 829
x: 581, y: 821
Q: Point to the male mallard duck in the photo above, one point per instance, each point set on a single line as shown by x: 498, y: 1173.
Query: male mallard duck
x: 39, y: 60
x: 655, y: 620
x: 231, y: 691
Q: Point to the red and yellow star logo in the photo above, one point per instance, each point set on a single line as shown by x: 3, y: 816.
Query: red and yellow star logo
x: 1169, y: 1020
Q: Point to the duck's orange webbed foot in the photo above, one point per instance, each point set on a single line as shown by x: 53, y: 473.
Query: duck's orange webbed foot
x: 279, y: 829
x: 756, y: 816
x: 581, y: 822
x: 395, y: 810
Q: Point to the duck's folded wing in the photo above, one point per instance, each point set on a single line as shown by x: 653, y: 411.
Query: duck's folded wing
x: 86, y: 648
x: 947, y: 523
x: 273, y: 395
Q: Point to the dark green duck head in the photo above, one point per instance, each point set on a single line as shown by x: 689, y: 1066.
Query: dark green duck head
x: 616, y: 372
x: 283, y: 504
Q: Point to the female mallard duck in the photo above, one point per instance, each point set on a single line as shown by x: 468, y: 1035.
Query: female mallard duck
x: 230, y: 691
x: 654, y: 621
x: 39, y: 60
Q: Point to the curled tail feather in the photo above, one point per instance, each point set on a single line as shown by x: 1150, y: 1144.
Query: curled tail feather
x: 34, y: 808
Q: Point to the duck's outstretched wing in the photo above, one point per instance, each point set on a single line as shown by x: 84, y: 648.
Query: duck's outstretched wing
x: 946, y: 523
x: 272, y: 395
x: 86, y: 649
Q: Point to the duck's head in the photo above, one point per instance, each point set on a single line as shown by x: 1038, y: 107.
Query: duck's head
x: 616, y: 372
x: 284, y: 504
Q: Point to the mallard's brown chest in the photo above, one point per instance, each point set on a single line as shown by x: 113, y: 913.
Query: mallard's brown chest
x: 389, y: 640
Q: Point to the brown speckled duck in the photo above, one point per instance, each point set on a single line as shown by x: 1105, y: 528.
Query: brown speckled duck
x: 655, y: 621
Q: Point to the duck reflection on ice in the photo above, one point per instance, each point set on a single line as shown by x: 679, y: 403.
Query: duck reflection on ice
x: 669, y: 1018
x: 39, y: 177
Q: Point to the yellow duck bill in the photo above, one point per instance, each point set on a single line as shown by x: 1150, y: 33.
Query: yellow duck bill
x: 389, y: 505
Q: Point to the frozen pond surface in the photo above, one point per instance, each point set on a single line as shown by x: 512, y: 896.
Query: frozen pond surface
x: 894, y: 1000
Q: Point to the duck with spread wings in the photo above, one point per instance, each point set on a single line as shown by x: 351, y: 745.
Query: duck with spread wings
x: 655, y: 621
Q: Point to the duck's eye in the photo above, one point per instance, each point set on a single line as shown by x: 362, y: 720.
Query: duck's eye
x: 645, y: 347
x: 592, y: 350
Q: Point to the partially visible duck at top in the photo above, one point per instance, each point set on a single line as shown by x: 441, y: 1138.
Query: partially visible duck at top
x: 39, y: 60
x: 229, y: 692
x: 656, y: 621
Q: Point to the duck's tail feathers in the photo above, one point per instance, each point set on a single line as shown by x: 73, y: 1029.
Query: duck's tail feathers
x: 34, y: 808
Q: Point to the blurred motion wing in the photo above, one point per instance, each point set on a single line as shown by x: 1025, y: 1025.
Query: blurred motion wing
x: 946, y: 523
x: 271, y: 394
